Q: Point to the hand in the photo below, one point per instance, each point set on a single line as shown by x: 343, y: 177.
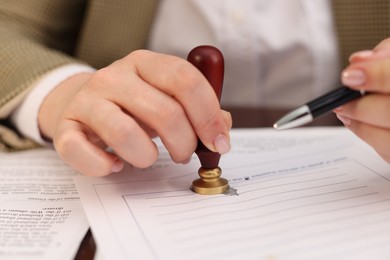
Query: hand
x: 369, y: 117
x: 124, y: 105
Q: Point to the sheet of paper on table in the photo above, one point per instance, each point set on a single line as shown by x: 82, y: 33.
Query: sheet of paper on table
x: 41, y: 216
x: 301, y: 194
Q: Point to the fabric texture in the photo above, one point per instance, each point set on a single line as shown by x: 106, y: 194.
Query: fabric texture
x: 114, y: 28
x: 360, y: 24
x: 11, y: 141
x: 37, y: 36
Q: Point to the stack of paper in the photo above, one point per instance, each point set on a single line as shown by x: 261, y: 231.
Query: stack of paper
x: 300, y: 194
x: 41, y: 216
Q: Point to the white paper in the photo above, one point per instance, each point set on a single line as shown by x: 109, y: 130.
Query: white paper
x: 317, y: 193
x: 41, y: 216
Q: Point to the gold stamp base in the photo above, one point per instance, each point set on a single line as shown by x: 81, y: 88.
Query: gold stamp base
x: 210, y: 182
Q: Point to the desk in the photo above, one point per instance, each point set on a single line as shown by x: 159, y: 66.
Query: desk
x: 242, y: 118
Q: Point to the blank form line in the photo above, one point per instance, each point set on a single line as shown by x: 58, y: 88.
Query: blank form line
x: 170, y: 196
x: 245, y: 183
x: 290, y: 183
x: 260, y: 206
x: 263, y: 188
x: 252, y: 182
x: 151, y: 193
x: 273, y: 233
x: 264, y: 215
x: 350, y: 217
x: 353, y: 238
x: 228, y: 251
x: 242, y: 183
x: 278, y: 222
x: 339, y: 229
x: 222, y: 196
x: 256, y: 198
x: 320, y: 186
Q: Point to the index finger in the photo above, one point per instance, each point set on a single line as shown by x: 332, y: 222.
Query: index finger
x: 181, y: 80
x: 371, y: 75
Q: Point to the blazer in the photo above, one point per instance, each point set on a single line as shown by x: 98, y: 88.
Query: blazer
x: 39, y: 35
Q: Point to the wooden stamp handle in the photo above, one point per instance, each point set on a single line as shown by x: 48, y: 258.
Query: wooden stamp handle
x: 209, y: 60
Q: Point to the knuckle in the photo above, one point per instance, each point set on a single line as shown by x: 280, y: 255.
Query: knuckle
x: 185, y: 76
x: 228, y: 119
x: 101, y: 111
x: 135, y: 57
x: 137, y: 54
x: 140, y: 153
x: 211, y: 121
x: 171, y: 113
x: 104, y: 78
x: 101, y: 77
x: 118, y: 131
x: 65, y: 143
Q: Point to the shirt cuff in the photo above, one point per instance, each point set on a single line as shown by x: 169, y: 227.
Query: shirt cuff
x: 25, y: 116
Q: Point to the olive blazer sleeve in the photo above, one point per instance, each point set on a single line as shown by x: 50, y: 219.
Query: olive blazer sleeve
x: 37, y: 36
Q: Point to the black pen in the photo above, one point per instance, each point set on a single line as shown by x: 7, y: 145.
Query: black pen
x: 317, y: 107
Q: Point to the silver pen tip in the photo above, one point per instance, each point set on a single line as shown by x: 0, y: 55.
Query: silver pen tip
x: 295, y: 118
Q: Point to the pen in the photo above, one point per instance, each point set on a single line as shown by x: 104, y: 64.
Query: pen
x: 317, y: 107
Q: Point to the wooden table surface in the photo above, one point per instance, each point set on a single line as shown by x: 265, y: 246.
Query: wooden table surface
x: 242, y: 118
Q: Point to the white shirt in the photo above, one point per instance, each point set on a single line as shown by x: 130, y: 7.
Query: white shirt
x: 278, y: 53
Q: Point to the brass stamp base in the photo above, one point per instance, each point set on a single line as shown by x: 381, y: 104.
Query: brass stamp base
x: 210, y: 182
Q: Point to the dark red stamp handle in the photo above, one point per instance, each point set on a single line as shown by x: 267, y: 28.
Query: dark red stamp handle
x: 209, y: 60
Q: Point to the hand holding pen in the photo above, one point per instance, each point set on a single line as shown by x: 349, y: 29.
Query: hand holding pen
x: 368, y: 117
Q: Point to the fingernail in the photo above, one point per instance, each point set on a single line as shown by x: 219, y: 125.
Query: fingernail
x: 118, y: 166
x: 222, y: 144
x: 345, y: 120
x: 353, y: 77
x: 361, y: 54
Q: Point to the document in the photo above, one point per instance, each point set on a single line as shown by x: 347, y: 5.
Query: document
x: 311, y: 193
x: 41, y: 216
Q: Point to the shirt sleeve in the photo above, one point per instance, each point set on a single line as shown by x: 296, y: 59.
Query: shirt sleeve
x: 25, y: 116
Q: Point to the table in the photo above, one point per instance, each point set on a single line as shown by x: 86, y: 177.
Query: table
x: 242, y: 118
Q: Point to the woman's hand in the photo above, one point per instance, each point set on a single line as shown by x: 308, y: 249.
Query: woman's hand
x: 369, y: 117
x: 124, y: 105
